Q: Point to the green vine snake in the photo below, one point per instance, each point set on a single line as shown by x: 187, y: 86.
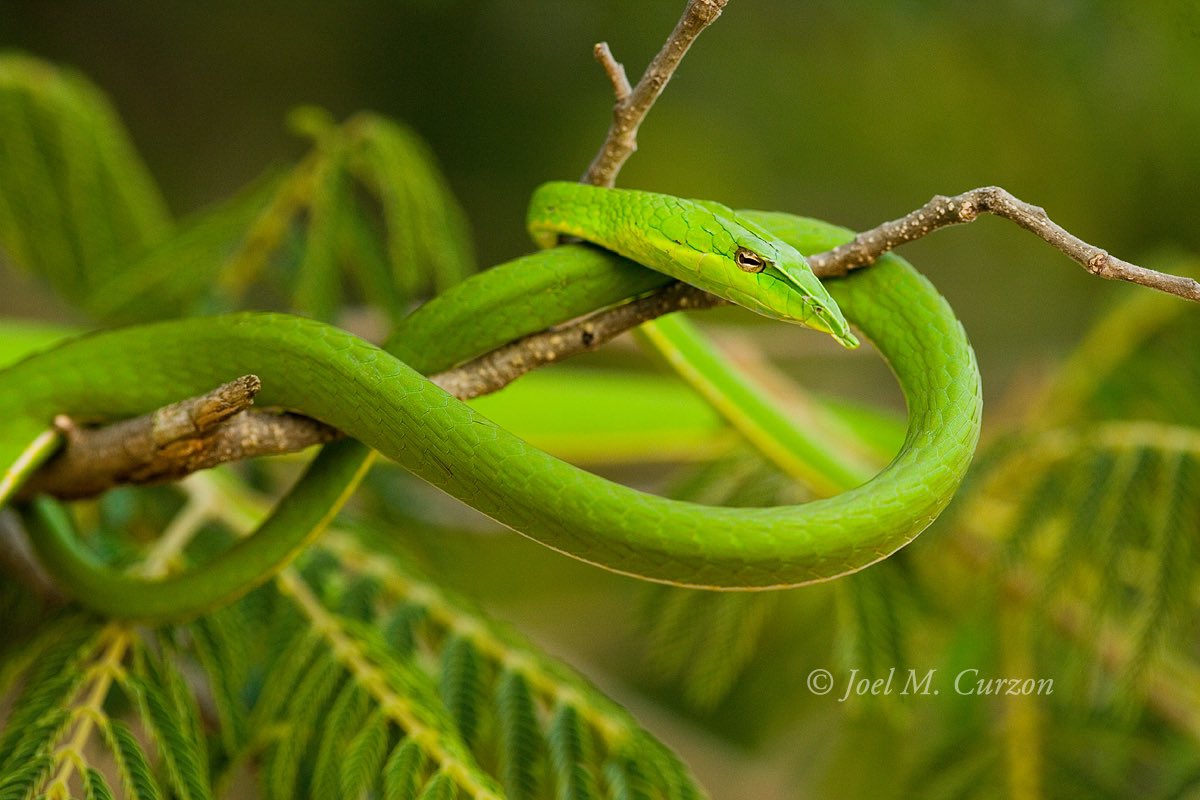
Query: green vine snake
x: 381, y: 399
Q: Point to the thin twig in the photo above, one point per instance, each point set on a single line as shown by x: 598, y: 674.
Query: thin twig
x: 615, y: 71
x: 631, y: 106
x: 497, y: 369
x: 942, y: 211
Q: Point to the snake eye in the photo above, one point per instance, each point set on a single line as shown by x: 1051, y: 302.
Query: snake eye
x: 749, y: 261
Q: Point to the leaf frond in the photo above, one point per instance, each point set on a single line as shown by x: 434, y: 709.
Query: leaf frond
x: 1108, y: 517
x: 74, y: 195
x: 501, y: 696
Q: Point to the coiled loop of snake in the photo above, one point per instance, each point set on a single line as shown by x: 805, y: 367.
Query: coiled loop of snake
x: 382, y: 400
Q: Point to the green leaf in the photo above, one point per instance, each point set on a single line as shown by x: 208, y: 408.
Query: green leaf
x: 363, y: 761
x: 875, y: 607
x: 347, y: 715
x: 219, y: 641
x: 441, y: 787
x: 36, y: 740
x: 400, y: 630
x: 704, y: 640
x: 572, y: 754
x: 49, y: 688
x: 402, y: 772
x: 302, y: 651
x: 176, y: 276
x: 361, y: 248
x: 318, y: 284
x: 74, y: 196
x: 305, y: 716
x: 625, y: 780
x: 136, y: 776
x: 427, y: 238
x: 522, y: 748
x: 173, y: 725
x: 1106, y: 517
x: 22, y: 781
x: 462, y: 686
x: 95, y: 787
x: 457, y: 641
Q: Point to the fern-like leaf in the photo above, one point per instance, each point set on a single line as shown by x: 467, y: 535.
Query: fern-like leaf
x: 74, y: 196
x: 285, y: 761
x: 176, y: 275
x: 625, y: 780
x: 219, y: 642
x: 95, y: 786
x: 173, y: 731
x: 137, y: 777
x: 1108, y: 517
x: 400, y: 629
x: 346, y: 716
x: 318, y: 287
x: 440, y: 787
x: 572, y: 754
x: 364, y: 758
x: 874, y: 611
x: 21, y: 782
x: 302, y: 651
x: 425, y: 226
x: 521, y: 743
x: 462, y: 686
x: 49, y: 688
x: 546, y: 730
x: 402, y: 772
x: 702, y: 641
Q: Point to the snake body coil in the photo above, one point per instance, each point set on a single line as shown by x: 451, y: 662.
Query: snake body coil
x: 386, y: 404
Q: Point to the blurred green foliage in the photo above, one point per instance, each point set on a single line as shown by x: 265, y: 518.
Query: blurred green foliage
x: 852, y: 112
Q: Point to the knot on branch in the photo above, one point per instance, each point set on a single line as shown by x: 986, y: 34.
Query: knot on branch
x: 172, y: 442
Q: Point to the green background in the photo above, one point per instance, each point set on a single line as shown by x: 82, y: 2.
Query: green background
x: 854, y: 112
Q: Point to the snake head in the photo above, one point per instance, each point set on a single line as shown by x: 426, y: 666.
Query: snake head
x: 778, y: 282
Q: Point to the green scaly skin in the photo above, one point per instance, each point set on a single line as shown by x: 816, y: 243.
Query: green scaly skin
x: 694, y: 241
x: 386, y: 404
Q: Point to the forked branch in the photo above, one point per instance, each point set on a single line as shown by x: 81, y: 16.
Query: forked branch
x: 632, y: 104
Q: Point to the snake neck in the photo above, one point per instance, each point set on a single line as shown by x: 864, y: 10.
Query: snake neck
x: 634, y: 224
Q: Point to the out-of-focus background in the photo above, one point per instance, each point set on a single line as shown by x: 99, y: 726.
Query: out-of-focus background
x: 852, y: 112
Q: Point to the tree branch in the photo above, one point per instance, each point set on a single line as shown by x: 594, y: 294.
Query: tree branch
x: 170, y: 443
x: 941, y: 212
x: 497, y: 369
x: 631, y: 105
